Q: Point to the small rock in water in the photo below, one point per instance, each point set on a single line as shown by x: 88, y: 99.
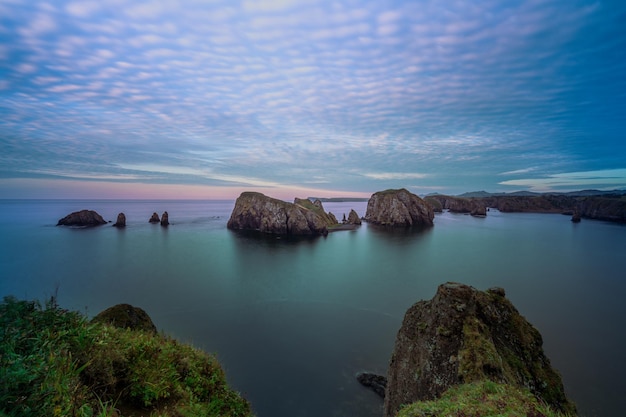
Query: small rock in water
x: 121, y: 220
x: 154, y: 218
x: 165, y: 219
x: 376, y: 383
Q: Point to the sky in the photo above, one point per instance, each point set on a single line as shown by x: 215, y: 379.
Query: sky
x: 208, y: 98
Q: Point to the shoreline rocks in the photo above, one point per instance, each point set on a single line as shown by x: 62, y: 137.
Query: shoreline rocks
x: 398, y: 208
x: 463, y: 335
x: 83, y: 218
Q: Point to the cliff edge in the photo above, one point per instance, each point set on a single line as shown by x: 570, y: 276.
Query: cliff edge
x: 466, y: 336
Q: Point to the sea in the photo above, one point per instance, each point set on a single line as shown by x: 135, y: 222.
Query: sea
x: 293, y: 321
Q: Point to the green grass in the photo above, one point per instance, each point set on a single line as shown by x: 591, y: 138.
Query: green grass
x: 481, y: 399
x: 54, y: 362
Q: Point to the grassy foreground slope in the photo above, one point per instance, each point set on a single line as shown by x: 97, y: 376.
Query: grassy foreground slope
x: 54, y: 362
x: 482, y: 399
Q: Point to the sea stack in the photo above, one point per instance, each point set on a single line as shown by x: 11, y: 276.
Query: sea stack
x: 353, y: 218
x: 121, y: 220
x: 258, y: 212
x: 165, y: 219
x: 398, y: 208
x: 154, y: 218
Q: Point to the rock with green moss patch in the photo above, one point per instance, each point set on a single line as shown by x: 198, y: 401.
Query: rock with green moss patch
x: 126, y: 316
x: 465, y: 335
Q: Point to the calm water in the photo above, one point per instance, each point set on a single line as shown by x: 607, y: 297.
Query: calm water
x: 292, y: 322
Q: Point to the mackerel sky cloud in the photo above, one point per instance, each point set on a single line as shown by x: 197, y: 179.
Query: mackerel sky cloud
x: 205, y: 99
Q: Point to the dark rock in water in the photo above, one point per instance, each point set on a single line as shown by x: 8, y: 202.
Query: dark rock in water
x: 576, y: 217
x: 126, y: 316
x: 398, y: 208
x: 256, y: 211
x: 82, y: 218
x: 377, y: 383
x: 154, y: 218
x: 464, y: 335
x: 479, y: 210
x: 353, y: 218
x: 121, y: 220
x: 165, y: 219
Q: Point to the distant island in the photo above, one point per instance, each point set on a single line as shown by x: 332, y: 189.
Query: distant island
x: 339, y: 199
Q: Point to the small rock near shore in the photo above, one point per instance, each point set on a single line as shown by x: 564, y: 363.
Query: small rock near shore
x: 126, y: 316
x: 376, y: 383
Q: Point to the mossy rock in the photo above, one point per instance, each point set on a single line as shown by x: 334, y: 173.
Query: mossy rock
x: 126, y: 316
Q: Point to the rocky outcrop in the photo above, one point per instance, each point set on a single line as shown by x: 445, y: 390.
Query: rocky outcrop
x: 154, y: 218
x: 398, y: 208
x: 83, y: 218
x: 126, y: 316
x: 165, y: 219
x: 464, y: 335
x: 121, y: 220
x: 256, y: 211
x: 473, y: 206
x: 353, y: 218
x: 608, y: 208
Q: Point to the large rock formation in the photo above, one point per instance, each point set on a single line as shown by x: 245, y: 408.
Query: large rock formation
x: 256, y: 211
x: 126, y: 316
x: 462, y: 336
x: 121, y: 220
x: 82, y: 218
x: 398, y: 208
x: 154, y: 218
x: 165, y: 219
x: 473, y: 206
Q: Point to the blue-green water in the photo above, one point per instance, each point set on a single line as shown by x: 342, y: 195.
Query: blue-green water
x: 292, y: 322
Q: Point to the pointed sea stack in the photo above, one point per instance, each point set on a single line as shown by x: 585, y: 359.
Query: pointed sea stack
x: 154, y: 218
x: 121, y: 220
x: 165, y: 219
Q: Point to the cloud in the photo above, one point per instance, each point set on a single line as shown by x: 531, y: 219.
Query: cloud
x: 394, y: 175
x: 603, y: 179
x: 395, y: 90
x: 83, y: 9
